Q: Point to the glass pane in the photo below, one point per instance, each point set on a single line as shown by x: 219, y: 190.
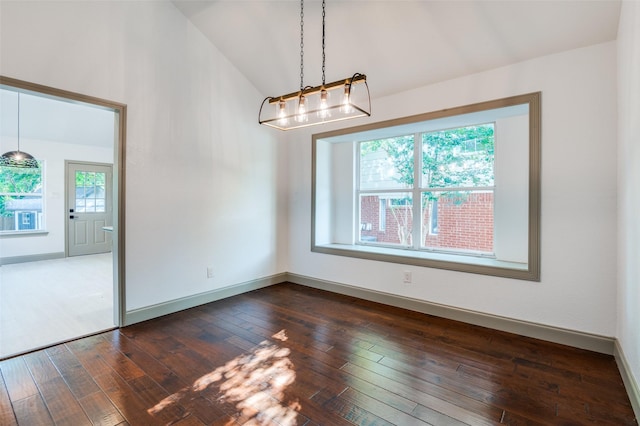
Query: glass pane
x: 90, y: 192
x: 386, y: 218
x: 80, y: 193
x: 20, y: 213
x: 90, y: 205
x: 460, y: 157
x: 79, y: 178
x: 21, y: 181
x: 100, y: 192
x: 387, y: 163
x: 459, y: 221
x: 89, y: 179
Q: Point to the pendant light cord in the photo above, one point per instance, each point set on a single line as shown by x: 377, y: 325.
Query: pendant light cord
x: 18, y: 121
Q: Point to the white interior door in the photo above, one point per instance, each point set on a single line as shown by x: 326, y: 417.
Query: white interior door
x: 90, y: 211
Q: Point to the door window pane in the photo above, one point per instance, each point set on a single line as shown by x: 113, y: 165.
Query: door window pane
x: 90, y: 192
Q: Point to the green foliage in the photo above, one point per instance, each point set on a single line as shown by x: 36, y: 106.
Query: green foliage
x: 20, y: 180
x: 399, y: 152
x: 90, y: 179
x: 461, y: 157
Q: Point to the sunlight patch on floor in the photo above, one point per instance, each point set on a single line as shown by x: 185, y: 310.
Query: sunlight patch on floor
x: 254, y: 382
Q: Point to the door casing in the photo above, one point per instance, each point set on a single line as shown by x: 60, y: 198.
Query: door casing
x: 120, y: 131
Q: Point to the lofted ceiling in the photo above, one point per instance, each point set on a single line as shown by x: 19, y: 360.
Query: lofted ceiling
x: 399, y: 45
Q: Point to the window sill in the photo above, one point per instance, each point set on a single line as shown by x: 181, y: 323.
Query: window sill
x: 453, y: 262
x: 18, y: 234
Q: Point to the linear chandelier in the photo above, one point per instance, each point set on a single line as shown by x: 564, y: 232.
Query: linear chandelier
x: 340, y: 100
x: 18, y: 159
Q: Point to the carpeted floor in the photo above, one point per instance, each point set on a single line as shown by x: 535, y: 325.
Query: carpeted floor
x: 46, y: 302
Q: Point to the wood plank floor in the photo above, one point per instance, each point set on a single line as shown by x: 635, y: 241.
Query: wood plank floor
x: 291, y: 355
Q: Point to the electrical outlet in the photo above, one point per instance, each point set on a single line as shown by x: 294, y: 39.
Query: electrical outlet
x: 209, y: 272
x: 406, y: 277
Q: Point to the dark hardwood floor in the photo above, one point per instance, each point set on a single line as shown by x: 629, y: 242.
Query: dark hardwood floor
x: 291, y: 355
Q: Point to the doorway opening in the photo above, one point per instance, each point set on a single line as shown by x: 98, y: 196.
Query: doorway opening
x: 62, y: 273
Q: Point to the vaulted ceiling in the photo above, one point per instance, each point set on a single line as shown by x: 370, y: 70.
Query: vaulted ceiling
x: 399, y: 45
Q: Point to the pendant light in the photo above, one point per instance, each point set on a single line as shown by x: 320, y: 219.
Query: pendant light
x: 328, y: 102
x: 18, y: 158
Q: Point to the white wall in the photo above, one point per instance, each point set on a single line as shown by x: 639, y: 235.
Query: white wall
x: 578, y: 247
x: 54, y: 155
x: 196, y: 156
x: 202, y: 177
x: 629, y: 184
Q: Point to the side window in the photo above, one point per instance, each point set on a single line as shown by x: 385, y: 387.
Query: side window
x: 21, y: 205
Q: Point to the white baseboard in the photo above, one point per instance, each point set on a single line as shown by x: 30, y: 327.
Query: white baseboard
x: 30, y: 258
x: 631, y: 385
x: 161, y: 309
x: 559, y: 335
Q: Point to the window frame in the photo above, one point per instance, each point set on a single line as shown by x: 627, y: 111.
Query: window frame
x: 455, y: 262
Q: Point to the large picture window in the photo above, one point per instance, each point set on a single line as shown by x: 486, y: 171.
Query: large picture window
x: 450, y: 172
x: 456, y: 189
x: 21, y: 206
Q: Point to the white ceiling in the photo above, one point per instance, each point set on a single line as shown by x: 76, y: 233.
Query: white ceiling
x: 399, y: 45
x: 46, y: 118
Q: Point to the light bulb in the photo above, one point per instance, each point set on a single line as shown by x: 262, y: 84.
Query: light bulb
x: 282, y: 112
x: 302, y: 109
x: 324, y: 111
x: 346, y: 102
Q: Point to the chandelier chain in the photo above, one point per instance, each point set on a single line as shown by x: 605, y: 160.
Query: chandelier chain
x: 301, y: 44
x: 323, y: 32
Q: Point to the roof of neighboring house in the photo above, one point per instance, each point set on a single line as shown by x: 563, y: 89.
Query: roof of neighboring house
x: 88, y: 192
x: 28, y: 204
